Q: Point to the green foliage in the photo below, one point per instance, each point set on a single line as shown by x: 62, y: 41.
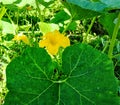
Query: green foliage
x: 46, y: 3
x: 47, y: 27
x: 86, y: 78
x: 82, y: 9
x: 79, y: 13
x: 8, y: 1
x: 108, y: 21
x: 72, y: 26
x: 111, y: 4
x: 2, y: 12
x: 99, y: 6
x: 58, y: 18
x: 7, y: 27
x: 83, y: 75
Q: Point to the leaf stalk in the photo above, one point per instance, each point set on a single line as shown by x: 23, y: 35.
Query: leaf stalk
x: 114, y: 36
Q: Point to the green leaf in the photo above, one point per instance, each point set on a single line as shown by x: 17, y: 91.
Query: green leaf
x: 46, y: 3
x: 24, y: 3
x: 90, y: 8
x: 99, y: 6
x: 28, y: 77
x: 87, y: 78
x: 17, y: 1
x: 111, y: 4
x: 47, y: 27
x: 72, y: 26
x: 12, y: 7
x: 78, y: 12
x: 2, y: 12
x: 107, y: 20
x: 87, y: 4
x: 60, y: 17
x: 7, y: 28
x: 91, y: 78
x: 8, y: 1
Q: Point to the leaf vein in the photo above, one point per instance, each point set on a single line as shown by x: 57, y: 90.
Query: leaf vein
x: 81, y: 95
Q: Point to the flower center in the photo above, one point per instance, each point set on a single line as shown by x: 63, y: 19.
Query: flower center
x: 53, y: 40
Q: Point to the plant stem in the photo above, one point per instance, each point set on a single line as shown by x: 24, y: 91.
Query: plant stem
x: 89, y: 28
x: 9, y: 18
x: 67, y: 26
x: 39, y: 11
x: 106, y: 46
x: 112, y: 42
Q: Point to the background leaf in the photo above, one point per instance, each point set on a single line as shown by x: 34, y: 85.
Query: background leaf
x: 46, y: 3
x: 88, y: 4
x: 7, y: 1
x: 60, y: 17
x: 111, y: 4
x: 78, y: 13
x: 47, y: 27
x: 108, y: 21
x: 7, y: 28
x: 2, y: 12
x: 81, y: 9
x: 99, y: 6
x: 88, y: 78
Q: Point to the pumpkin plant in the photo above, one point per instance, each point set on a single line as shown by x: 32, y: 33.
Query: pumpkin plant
x: 57, y: 73
x: 81, y: 76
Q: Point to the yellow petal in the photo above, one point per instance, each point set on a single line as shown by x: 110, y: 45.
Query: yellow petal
x: 22, y: 37
x: 52, y: 41
x: 43, y: 43
x: 65, y: 42
x: 16, y: 37
x: 25, y: 39
x: 52, y: 49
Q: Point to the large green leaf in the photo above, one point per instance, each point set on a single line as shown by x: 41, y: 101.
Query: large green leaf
x: 78, y: 12
x: 90, y: 80
x: 81, y: 9
x: 89, y: 4
x: 108, y: 21
x: 86, y: 78
x: 28, y: 79
x: 111, y: 3
x: 98, y: 6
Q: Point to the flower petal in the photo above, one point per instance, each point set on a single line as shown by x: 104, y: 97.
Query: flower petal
x: 25, y: 39
x: 52, y: 49
x: 52, y: 41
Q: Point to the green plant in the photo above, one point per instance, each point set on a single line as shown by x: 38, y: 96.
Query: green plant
x: 80, y: 80
x: 76, y: 75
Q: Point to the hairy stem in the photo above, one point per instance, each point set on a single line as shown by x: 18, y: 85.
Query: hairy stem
x: 112, y: 42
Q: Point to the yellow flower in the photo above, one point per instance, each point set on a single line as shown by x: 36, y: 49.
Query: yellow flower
x: 52, y: 41
x: 22, y: 37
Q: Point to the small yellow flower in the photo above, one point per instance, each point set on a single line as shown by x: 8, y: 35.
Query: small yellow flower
x: 21, y: 37
x: 52, y: 41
